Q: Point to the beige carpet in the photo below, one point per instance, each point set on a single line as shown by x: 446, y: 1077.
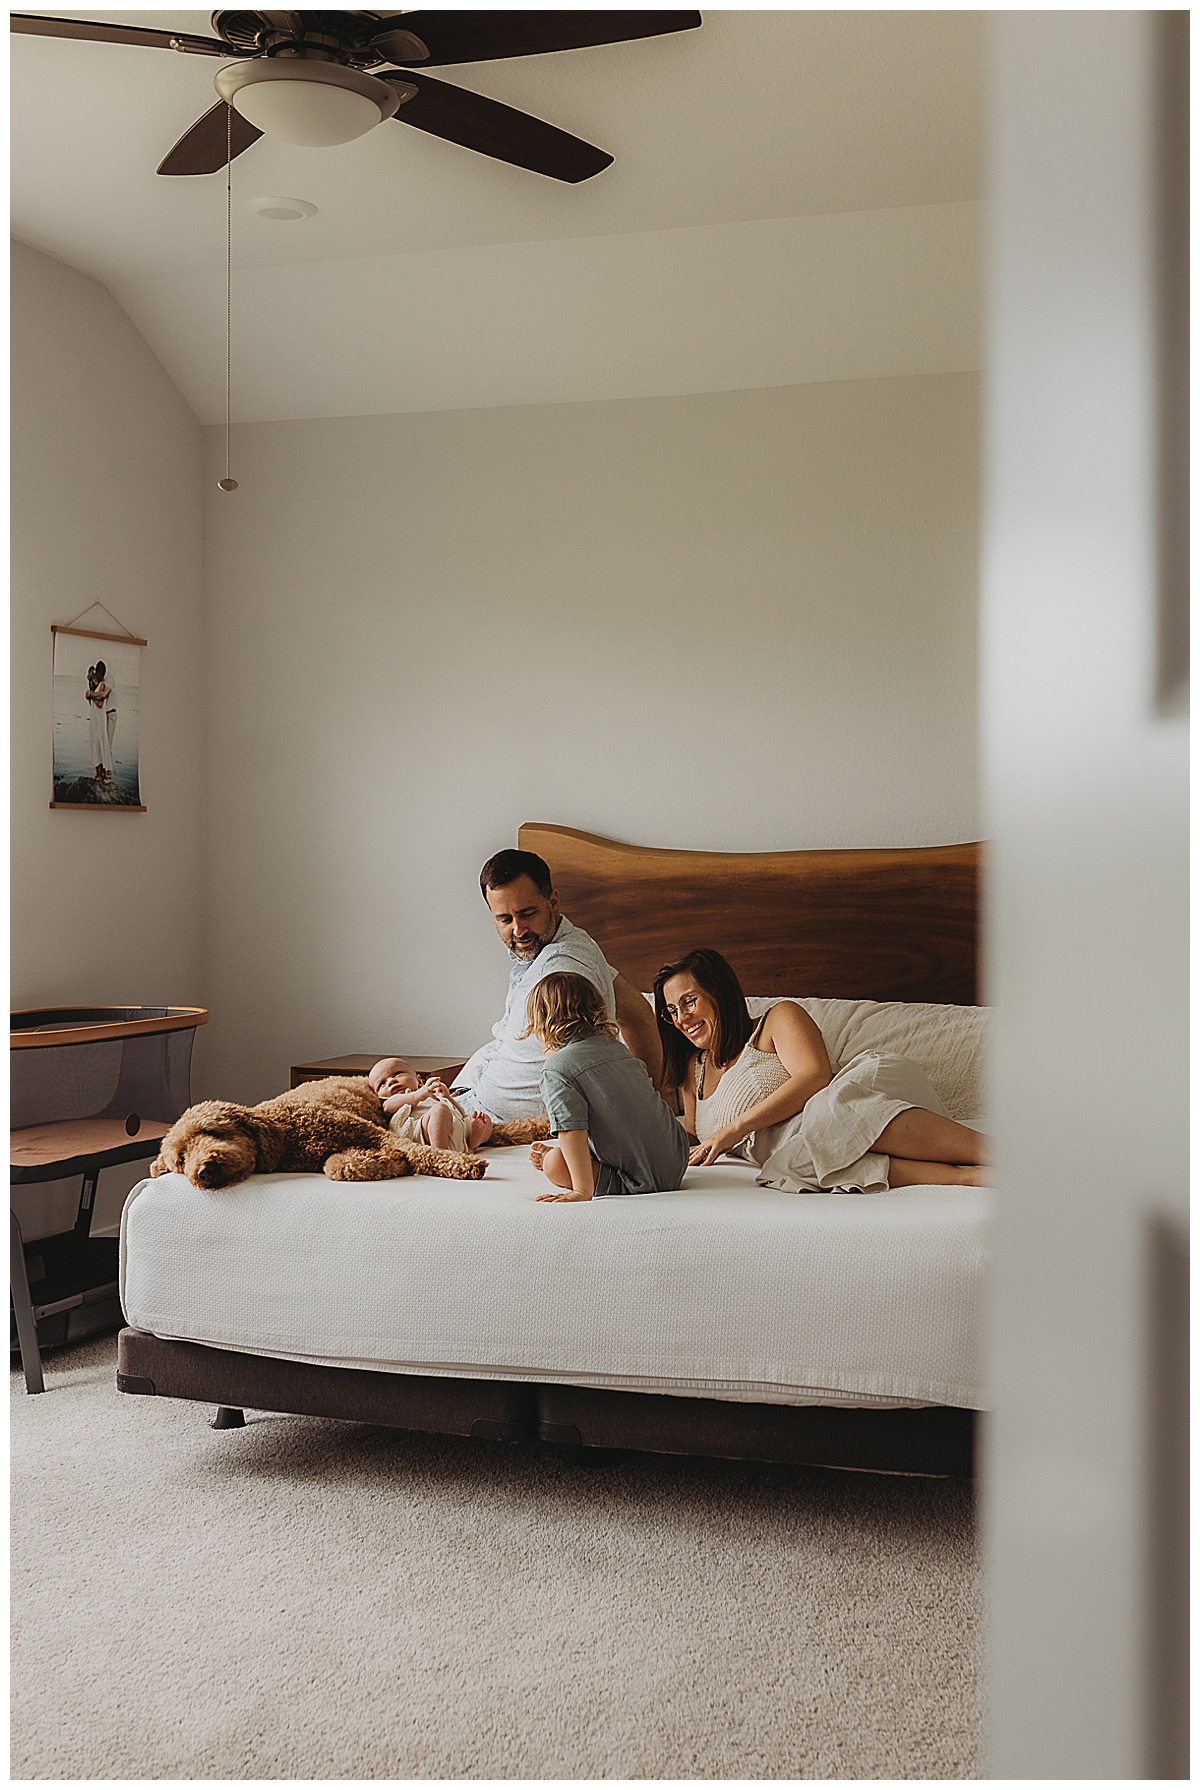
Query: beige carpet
x: 304, y: 1599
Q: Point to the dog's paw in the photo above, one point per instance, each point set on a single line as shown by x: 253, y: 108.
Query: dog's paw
x: 448, y: 1165
x: 367, y: 1165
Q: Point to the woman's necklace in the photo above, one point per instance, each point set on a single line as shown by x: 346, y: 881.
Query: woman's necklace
x: 702, y: 1072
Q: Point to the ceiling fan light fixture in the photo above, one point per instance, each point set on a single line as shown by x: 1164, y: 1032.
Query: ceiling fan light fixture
x: 314, y: 104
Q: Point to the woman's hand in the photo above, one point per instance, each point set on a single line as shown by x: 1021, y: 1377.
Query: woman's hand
x: 728, y: 1138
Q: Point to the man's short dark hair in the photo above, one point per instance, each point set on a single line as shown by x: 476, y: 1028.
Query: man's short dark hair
x: 507, y: 866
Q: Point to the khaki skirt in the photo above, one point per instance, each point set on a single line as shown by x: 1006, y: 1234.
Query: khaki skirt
x: 827, y: 1147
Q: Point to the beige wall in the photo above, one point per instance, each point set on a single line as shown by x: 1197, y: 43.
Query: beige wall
x: 106, y: 474
x: 740, y: 620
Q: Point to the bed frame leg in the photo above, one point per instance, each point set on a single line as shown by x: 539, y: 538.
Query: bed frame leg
x: 228, y: 1417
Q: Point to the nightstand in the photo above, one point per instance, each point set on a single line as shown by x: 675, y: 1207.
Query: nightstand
x: 446, y: 1066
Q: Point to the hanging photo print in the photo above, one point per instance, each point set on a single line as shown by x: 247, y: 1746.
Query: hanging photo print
x: 96, y: 682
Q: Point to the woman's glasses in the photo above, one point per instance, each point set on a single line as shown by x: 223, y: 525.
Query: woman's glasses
x: 686, y: 1004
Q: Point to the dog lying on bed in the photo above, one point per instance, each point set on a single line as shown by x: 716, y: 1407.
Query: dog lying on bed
x: 337, y: 1124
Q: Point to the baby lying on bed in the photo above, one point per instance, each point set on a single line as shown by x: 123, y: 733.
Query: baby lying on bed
x: 426, y: 1112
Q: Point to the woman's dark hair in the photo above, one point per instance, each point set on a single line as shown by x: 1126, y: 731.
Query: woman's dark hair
x: 718, y: 979
x: 507, y: 866
x: 101, y: 668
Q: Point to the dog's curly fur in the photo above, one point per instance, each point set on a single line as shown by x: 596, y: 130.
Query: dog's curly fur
x: 518, y: 1131
x: 337, y: 1124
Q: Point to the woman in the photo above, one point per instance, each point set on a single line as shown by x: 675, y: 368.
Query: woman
x: 110, y: 709
x: 766, y: 1091
x: 98, y: 745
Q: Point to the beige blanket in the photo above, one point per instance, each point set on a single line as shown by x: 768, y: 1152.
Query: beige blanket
x: 949, y: 1043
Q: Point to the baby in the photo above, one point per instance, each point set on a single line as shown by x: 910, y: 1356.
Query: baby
x: 426, y: 1112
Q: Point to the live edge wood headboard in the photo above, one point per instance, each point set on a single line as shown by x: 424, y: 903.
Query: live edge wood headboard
x: 877, y: 925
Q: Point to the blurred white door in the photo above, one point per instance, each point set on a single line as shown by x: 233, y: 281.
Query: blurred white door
x: 1085, y: 766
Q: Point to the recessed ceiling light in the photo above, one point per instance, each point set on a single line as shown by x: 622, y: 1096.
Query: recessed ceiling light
x: 287, y: 211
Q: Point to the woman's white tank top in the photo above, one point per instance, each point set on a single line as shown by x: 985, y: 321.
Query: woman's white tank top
x: 754, y: 1075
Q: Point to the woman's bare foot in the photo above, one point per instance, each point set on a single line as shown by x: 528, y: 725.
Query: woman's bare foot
x: 480, y: 1131
x: 539, y: 1151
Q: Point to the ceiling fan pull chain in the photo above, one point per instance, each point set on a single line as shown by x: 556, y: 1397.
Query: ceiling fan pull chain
x: 228, y: 484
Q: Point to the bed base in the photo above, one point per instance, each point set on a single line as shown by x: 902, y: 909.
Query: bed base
x: 934, y: 1439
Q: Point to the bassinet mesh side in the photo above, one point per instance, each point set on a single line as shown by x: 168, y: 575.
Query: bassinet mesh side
x: 63, y: 1081
x: 149, y: 1074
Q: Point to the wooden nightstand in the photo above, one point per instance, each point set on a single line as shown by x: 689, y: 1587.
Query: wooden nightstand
x: 446, y: 1066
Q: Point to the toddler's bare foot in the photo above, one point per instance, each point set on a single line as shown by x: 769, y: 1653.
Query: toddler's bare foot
x: 539, y: 1151
x: 480, y: 1131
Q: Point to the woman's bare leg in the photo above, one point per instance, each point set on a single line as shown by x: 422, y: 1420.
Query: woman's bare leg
x: 925, y: 1137
x: 905, y: 1171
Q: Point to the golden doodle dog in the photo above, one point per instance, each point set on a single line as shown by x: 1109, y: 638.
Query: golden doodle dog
x: 337, y: 1124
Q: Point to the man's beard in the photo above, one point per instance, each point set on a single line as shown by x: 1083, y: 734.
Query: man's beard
x: 528, y: 956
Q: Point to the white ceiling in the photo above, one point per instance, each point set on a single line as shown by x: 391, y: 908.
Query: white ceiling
x: 795, y: 196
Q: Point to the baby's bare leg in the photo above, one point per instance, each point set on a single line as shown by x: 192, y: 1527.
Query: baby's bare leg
x: 480, y: 1131
x: 437, y: 1125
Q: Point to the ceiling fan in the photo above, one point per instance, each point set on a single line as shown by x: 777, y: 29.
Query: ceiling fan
x: 303, y: 76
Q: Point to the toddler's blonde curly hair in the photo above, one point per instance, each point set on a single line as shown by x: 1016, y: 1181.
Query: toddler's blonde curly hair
x: 563, y: 1007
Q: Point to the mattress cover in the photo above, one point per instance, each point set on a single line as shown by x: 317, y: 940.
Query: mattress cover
x: 720, y: 1290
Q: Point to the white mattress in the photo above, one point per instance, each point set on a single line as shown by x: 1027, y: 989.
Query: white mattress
x: 721, y: 1290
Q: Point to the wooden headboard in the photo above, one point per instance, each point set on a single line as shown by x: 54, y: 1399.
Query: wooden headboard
x: 878, y: 925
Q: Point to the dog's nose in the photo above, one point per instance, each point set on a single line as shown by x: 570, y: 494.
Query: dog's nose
x: 209, y: 1175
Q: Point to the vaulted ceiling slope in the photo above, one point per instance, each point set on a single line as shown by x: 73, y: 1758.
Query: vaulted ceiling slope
x: 795, y: 196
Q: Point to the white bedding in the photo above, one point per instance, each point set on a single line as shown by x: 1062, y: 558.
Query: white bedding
x: 721, y: 1290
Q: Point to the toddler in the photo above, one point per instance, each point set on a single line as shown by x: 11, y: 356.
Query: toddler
x: 615, y: 1135
x: 426, y: 1112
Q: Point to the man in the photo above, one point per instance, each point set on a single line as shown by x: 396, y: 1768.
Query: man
x: 503, y: 1078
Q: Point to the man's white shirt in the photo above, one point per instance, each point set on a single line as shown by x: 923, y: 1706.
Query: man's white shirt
x: 504, y: 1078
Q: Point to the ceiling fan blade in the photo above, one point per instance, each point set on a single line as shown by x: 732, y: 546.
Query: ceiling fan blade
x: 499, y: 131
x: 484, y: 36
x: 202, y: 149
x: 28, y: 24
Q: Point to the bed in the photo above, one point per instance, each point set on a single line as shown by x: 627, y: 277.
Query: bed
x: 724, y: 1319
